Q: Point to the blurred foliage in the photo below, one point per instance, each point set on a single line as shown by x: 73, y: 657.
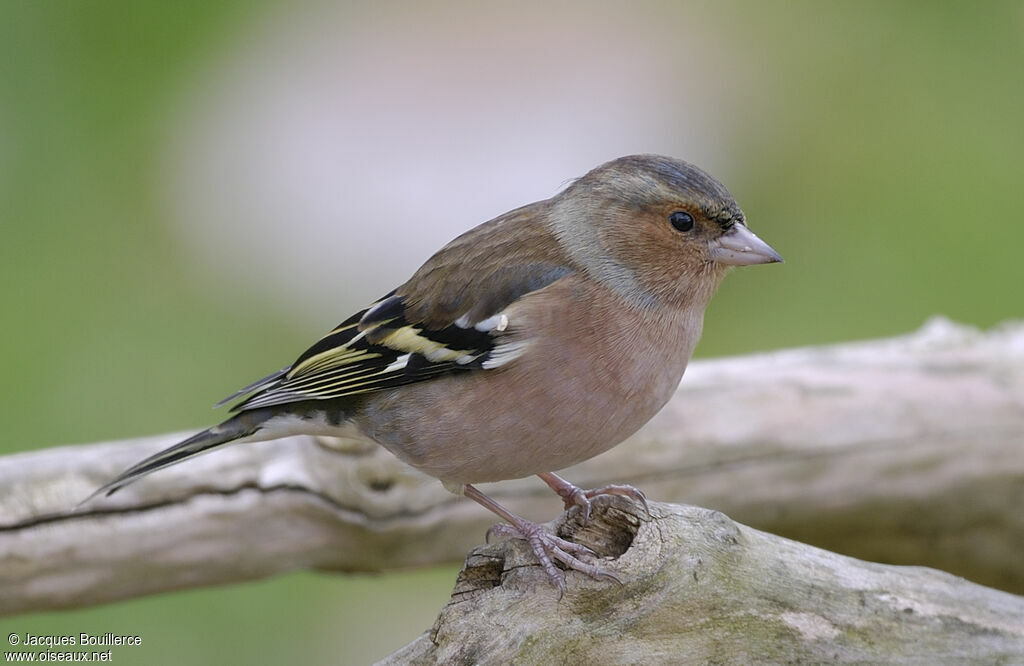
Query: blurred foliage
x: 879, y: 153
x: 883, y: 167
x: 103, y: 302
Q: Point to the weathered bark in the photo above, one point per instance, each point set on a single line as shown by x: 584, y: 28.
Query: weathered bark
x: 906, y: 450
x: 698, y: 588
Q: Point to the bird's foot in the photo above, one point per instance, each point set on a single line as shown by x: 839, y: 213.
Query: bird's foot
x: 549, y: 549
x: 572, y: 495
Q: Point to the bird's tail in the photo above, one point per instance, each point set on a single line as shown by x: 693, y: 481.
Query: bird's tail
x: 239, y: 426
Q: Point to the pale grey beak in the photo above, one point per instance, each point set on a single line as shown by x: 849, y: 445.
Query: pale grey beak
x: 740, y: 247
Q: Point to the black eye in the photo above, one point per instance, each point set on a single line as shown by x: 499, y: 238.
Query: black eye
x: 681, y: 221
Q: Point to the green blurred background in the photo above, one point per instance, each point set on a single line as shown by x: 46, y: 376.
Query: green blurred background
x: 159, y: 247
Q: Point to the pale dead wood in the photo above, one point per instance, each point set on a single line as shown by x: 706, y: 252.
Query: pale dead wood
x: 903, y: 450
x: 701, y: 589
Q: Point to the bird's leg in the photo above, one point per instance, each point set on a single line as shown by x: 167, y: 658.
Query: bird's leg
x: 545, y: 546
x: 573, y: 495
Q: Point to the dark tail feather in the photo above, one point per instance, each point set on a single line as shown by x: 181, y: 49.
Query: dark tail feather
x: 228, y: 431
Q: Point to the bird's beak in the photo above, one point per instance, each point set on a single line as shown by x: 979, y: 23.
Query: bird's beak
x: 740, y: 247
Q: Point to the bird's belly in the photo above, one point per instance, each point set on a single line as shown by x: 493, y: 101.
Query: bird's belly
x: 469, y: 429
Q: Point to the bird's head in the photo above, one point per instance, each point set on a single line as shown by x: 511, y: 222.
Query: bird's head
x: 656, y: 229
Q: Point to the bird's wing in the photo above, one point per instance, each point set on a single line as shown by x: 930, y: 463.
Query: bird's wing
x: 382, y: 348
x: 448, y: 318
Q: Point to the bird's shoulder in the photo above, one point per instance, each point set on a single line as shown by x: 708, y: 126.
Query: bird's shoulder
x: 487, y: 268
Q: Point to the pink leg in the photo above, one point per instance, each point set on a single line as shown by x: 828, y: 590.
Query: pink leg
x: 573, y: 495
x: 545, y: 546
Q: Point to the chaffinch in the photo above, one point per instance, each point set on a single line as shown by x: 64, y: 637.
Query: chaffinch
x: 528, y: 344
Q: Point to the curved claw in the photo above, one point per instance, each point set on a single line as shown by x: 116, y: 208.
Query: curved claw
x: 631, y: 492
x: 506, y: 530
x: 549, y: 548
x: 572, y: 495
x: 545, y: 545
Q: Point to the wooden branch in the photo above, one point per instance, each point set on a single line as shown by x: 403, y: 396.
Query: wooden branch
x: 903, y: 450
x: 701, y: 589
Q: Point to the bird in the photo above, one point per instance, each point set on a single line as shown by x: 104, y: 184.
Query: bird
x: 528, y: 344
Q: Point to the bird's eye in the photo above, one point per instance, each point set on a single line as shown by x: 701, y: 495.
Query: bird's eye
x: 681, y: 221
